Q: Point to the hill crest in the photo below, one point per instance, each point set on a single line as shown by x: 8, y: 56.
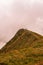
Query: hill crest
x: 23, y: 38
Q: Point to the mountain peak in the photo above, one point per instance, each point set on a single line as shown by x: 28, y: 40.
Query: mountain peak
x: 25, y: 48
x: 23, y: 38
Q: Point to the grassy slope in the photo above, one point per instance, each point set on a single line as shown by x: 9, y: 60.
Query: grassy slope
x: 26, y: 56
x: 22, y: 39
x: 25, y: 48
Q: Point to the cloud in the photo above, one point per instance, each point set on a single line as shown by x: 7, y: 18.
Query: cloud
x: 18, y: 14
x: 39, y: 25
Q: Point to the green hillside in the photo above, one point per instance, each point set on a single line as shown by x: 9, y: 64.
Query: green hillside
x: 25, y: 48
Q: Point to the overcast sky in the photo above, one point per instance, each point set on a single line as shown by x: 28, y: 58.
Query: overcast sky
x: 16, y: 14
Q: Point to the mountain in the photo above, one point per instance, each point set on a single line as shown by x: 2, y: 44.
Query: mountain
x: 23, y: 38
x: 25, y: 48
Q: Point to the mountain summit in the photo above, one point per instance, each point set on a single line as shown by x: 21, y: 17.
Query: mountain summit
x: 25, y: 48
x: 23, y: 38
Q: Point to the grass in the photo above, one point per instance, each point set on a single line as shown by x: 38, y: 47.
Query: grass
x: 25, y: 48
x: 24, y: 56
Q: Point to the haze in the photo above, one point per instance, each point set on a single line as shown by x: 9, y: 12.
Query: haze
x: 17, y: 14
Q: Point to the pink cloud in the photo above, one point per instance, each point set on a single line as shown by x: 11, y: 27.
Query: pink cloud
x: 19, y: 14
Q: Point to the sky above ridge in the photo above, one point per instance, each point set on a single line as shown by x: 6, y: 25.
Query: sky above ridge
x: 16, y: 14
